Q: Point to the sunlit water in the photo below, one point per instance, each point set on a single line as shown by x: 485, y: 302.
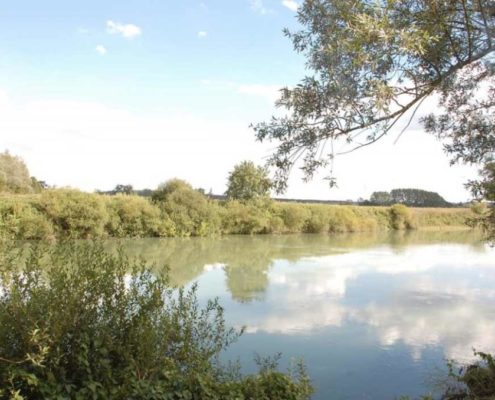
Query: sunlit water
x: 374, y: 316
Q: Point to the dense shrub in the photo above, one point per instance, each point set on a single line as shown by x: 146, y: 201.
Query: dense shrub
x: 74, y: 213
x: 176, y: 209
x: 190, y: 211
x: 135, y: 216
x: 245, y: 218
x: 78, y: 323
x: 248, y: 182
x: 342, y: 219
x: 14, y: 175
x: 400, y: 217
x: 475, y: 381
x: 294, y: 216
x: 318, y: 221
x: 20, y: 220
x: 478, y: 379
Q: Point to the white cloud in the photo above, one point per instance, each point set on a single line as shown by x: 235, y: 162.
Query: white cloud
x: 49, y: 134
x: 291, y: 4
x: 4, y: 99
x: 128, y: 31
x: 100, y: 49
x: 424, y: 307
x: 258, y: 6
x: 52, y: 138
x: 268, y: 92
x: 202, y: 34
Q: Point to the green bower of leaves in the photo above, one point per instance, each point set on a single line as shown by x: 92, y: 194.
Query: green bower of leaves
x: 14, y: 175
x: 190, y: 211
x: 79, y: 323
x: 372, y: 63
x: 248, y: 182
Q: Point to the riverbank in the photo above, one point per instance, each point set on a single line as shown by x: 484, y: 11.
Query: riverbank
x: 65, y: 212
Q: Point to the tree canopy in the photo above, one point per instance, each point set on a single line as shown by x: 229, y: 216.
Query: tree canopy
x: 373, y: 63
x: 124, y: 189
x: 248, y: 181
x: 380, y: 198
x: 485, y: 189
x: 410, y: 197
x: 14, y: 175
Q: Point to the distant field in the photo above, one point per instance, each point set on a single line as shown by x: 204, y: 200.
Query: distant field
x: 441, y: 217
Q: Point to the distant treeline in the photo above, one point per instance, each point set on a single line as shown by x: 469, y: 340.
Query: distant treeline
x: 29, y: 209
x: 409, y: 197
x: 178, y: 210
x: 245, y: 182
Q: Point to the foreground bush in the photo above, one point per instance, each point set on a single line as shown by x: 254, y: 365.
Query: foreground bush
x: 78, y: 323
x: 474, y: 381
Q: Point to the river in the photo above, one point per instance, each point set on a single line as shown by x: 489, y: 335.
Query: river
x: 374, y: 316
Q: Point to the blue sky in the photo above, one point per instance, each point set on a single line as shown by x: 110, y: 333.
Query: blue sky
x: 49, y: 48
x: 95, y: 93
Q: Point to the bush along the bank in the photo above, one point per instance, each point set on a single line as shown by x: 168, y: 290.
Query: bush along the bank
x: 79, y: 323
x: 133, y: 216
x: 191, y: 213
x: 474, y: 381
x: 20, y: 219
x: 74, y: 213
x: 176, y: 209
x: 401, y: 217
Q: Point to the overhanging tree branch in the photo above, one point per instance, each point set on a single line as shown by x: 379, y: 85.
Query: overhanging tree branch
x: 367, y: 58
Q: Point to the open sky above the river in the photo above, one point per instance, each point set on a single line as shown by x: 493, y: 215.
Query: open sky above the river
x: 97, y: 93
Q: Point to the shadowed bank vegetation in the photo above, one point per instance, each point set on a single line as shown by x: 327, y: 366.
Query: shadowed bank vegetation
x: 77, y: 322
x: 177, y: 210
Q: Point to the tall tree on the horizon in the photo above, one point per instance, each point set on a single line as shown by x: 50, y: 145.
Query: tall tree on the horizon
x: 14, y: 175
x: 248, y: 182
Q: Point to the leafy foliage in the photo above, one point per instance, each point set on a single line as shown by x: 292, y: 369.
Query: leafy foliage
x: 136, y: 216
x: 78, y: 323
x: 400, y: 217
x: 14, y: 175
x: 409, y: 197
x: 124, y: 189
x: 245, y: 218
x: 380, y: 198
x: 189, y: 210
x: 375, y: 62
x: 183, y: 211
x: 75, y: 213
x: 475, y: 381
x: 485, y: 189
x: 21, y: 220
x: 248, y: 182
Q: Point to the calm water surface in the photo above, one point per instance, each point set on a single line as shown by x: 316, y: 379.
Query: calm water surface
x: 374, y: 316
